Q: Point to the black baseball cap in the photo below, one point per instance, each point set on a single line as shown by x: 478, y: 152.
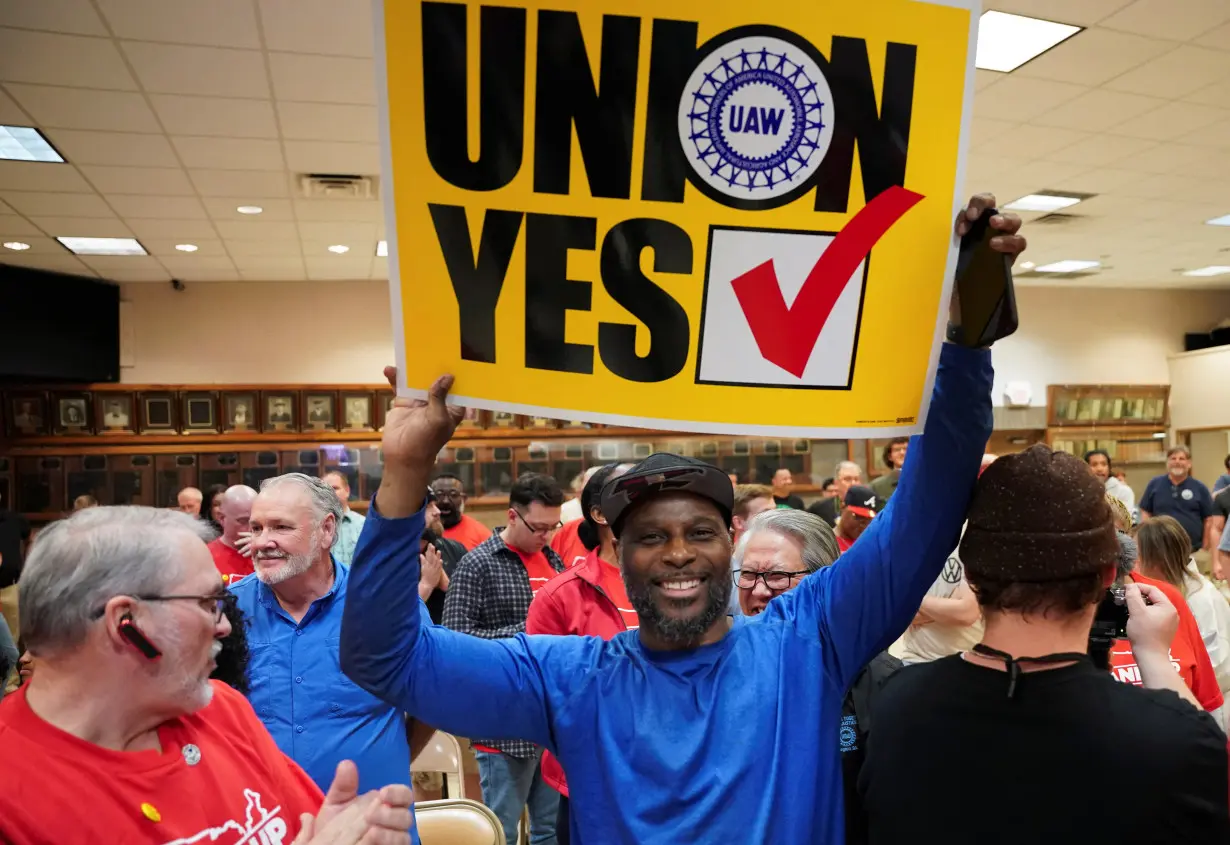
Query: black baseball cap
x: 861, y: 500
x: 663, y: 472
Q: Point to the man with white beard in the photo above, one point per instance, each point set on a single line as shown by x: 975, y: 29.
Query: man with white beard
x: 120, y: 736
x: 316, y: 714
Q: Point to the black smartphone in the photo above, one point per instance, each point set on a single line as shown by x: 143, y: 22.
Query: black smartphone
x: 985, y: 294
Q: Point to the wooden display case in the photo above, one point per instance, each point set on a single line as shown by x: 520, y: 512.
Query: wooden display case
x: 1128, y: 422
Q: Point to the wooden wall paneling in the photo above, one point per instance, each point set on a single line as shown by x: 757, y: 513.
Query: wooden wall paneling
x: 6, y: 484
x: 219, y: 468
x: 132, y: 479
x: 40, y: 485
x: 345, y: 459
x: 307, y: 461
x: 173, y: 473
x: 371, y: 471
x: 87, y: 475
x: 256, y: 466
x: 535, y: 457
x: 568, y: 460
x: 459, y: 461
x: 496, y: 470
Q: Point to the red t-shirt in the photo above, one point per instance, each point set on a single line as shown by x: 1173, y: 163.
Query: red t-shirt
x: 537, y: 567
x: 568, y: 545
x: 1187, y: 652
x: 842, y: 543
x: 56, y: 788
x: 229, y: 562
x: 612, y: 584
x: 469, y: 532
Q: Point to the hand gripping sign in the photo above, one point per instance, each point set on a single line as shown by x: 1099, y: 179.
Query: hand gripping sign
x: 708, y: 216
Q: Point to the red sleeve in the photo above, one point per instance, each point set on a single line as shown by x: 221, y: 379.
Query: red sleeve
x: 1204, y: 682
x: 545, y: 616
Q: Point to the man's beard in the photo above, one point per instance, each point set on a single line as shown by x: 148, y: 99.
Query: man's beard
x: 435, y: 528
x: 450, y: 518
x: 672, y: 629
x: 294, y: 565
x: 190, y: 689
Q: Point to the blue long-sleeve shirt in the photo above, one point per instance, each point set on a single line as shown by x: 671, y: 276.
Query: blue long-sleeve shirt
x: 732, y: 741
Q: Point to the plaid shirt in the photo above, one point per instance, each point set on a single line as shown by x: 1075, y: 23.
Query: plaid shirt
x: 489, y: 596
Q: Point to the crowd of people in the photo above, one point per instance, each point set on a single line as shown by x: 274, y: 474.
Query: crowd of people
x: 668, y: 656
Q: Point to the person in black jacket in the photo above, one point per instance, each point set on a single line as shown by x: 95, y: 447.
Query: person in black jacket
x: 438, y: 563
x: 777, y: 550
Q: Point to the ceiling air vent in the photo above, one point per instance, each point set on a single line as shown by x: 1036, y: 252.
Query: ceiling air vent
x: 327, y: 186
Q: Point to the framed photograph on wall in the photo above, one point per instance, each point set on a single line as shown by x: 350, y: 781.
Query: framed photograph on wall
x: 281, y: 413
x: 158, y: 413
x: 115, y: 414
x: 200, y: 413
x: 72, y: 413
x: 357, y: 412
x: 239, y: 412
x: 27, y: 413
x: 318, y: 411
x: 384, y: 401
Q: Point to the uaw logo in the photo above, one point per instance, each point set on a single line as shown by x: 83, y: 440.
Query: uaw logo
x: 756, y: 116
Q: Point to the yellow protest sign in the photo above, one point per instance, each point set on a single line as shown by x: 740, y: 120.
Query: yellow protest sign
x: 694, y: 214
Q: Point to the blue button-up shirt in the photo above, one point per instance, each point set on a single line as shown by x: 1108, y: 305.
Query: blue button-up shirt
x: 348, y: 531
x: 317, y: 715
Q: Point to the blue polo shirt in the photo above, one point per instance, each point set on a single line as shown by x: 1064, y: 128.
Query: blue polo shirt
x: 317, y: 715
x: 1189, y: 502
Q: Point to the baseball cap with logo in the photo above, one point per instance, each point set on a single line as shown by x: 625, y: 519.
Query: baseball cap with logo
x: 861, y: 500
x: 663, y: 472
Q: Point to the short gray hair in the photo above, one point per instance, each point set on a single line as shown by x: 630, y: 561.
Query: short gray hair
x: 80, y: 563
x: 324, y: 500
x: 847, y: 465
x: 808, y: 530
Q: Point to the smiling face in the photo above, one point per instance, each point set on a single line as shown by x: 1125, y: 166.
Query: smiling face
x: 768, y: 552
x: 450, y: 498
x: 1179, y: 465
x: 286, y: 540
x: 674, y: 551
x: 783, y: 481
x: 1099, y: 466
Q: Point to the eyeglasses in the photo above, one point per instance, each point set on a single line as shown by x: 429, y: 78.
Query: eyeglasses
x: 455, y: 495
x: 536, y: 529
x: 775, y: 580
x: 216, y: 604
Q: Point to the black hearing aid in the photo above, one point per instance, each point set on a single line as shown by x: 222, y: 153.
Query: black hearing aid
x: 129, y: 631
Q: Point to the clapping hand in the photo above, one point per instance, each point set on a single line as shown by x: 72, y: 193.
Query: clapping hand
x: 381, y: 817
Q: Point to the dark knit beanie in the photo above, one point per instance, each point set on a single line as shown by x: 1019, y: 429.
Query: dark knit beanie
x: 1038, y: 516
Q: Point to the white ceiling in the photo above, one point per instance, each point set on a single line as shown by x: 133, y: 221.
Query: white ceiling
x: 174, y: 112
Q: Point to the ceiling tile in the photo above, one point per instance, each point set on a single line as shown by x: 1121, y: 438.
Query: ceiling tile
x: 150, y: 181
x: 50, y: 59
x: 249, y: 184
x: 1174, y: 74
x: 39, y: 245
x: 229, y: 153
x: 180, y: 231
x: 1171, y: 121
x: 76, y: 17
x: 11, y: 114
x: 336, y: 233
x: 1180, y: 21
x: 162, y: 207
x: 210, y: 71
x: 221, y: 116
x: 273, y: 276
x: 108, y: 263
x: 322, y: 79
x: 983, y: 129
x: 318, y: 26
x: 218, y: 23
x: 81, y: 227
x: 205, y: 276
x: 1162, y: 186
x: 224, y: 208
x: 1100, y: 150
x: 251, y: 264
x: 12, y: 224
x: 328, y: 122
x: 1217, y: 135
x: 1020, y: 99
x: 1218, y: 38
x: 1207, y: 164
x: 41, y: 176
x: 165, y: 247
x: 1165, y: 158
x: 332, y: 157
x: 339, y: 268
x: 244, y: 250
x: 76, y: 108
x: 1033, y: 141
x: 1083, y: 13
x: 985, y: 78
x: 136, y: 274
x: 184, y: 263
x: 1217, y: 94
x: 1098, y: 110
x: 117, y: 148
x: 256, y: 230
x: 357, y: 211
x: 1094, y: 56
x: 57, y: 263
x: 38, y: 204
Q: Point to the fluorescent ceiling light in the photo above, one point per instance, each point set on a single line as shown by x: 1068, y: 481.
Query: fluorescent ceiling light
x: 382, y: 249
x: 187, y: 247
x: 1042, y: 202
x: 1213, y: 270
x: 339, y: 249
x: 1068, y: 265
x: 249, y: 209
x: 1027, y: 265
x: 103, y: 246
x: 22, y: 143
x: 16, y: 245
x: 1005, y: 42
x: 1224, y: 220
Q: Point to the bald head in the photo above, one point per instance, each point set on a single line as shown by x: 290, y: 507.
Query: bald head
x: 235, y: 511
x: 189, y: 501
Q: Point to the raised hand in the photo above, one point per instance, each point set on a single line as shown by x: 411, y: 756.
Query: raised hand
x: 415, y: 430
x: 1006, y: 224
x: 348, y: 818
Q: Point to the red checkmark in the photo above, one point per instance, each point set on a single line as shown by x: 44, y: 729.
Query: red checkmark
x: 787, y: 336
